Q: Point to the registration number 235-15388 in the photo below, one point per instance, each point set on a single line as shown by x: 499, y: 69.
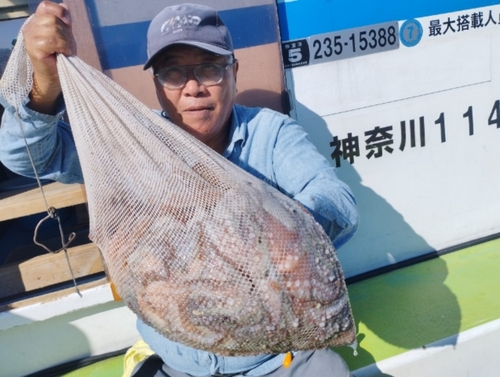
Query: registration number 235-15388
x: 341, y: 45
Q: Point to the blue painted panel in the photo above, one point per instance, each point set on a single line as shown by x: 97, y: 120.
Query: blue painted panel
x: 304, y: 18
x: 125, y: 45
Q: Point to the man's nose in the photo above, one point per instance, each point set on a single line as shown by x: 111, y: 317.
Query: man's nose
x: 193, y: 86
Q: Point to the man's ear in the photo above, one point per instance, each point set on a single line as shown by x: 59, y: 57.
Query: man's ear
x: 236, y: 66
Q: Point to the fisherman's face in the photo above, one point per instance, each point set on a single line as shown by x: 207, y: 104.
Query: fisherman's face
x: 203, y: 111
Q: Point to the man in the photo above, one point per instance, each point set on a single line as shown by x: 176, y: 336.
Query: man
x: 194, y: 71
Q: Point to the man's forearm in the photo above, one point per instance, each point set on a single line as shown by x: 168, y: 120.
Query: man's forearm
x: 50, y: 141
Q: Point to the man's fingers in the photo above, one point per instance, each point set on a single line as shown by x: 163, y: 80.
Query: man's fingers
x: 47, y: 35
x: 49, y: 31
x: 58, y: 10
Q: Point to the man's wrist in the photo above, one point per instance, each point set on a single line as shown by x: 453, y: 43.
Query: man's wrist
x: 44, y: 97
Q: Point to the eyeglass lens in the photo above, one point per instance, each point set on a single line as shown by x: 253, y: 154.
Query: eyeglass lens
x: 207, y: 74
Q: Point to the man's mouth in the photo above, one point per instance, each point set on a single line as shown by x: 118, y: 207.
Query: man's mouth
x: 198, y: 109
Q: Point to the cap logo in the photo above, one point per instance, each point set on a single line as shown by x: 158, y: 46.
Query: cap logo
x: 177, y: 22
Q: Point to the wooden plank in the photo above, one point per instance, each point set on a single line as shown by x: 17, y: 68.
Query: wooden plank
x: 13, y: 3
x: 51, y: 296
x: 58, y: 195
x: 6, y: 14
x: 49, y: 269
x: 10, y: 9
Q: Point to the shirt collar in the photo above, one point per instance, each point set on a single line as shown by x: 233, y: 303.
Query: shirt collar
x: 237, y: 132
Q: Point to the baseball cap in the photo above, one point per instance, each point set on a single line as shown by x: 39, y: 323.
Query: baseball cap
x: 191, y: 24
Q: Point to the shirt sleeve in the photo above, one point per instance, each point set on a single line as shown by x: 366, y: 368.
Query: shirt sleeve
x: 50, y: 143
x: 304, y: 174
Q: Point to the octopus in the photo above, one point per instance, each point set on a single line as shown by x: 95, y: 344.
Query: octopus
x: 238, y: 274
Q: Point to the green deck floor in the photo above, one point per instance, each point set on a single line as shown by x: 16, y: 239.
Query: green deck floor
x: 112, y: 367
x: 407, y: 308
x: 418, y: 305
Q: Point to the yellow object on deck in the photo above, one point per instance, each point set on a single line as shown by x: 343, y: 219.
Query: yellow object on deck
x: 140, y: 351
x: 116, y: 296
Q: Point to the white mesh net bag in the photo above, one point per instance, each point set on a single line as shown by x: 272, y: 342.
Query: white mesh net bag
x: 199, y: 249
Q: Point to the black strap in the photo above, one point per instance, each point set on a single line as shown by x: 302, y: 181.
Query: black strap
x: 149, y: 367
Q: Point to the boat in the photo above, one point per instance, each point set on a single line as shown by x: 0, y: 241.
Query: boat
x: 402, y: 98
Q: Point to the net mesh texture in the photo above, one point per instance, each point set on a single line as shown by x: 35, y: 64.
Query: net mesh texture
x: 205, y: 253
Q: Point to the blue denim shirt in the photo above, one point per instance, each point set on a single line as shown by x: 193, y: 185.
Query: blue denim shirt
x: 265, y: 143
